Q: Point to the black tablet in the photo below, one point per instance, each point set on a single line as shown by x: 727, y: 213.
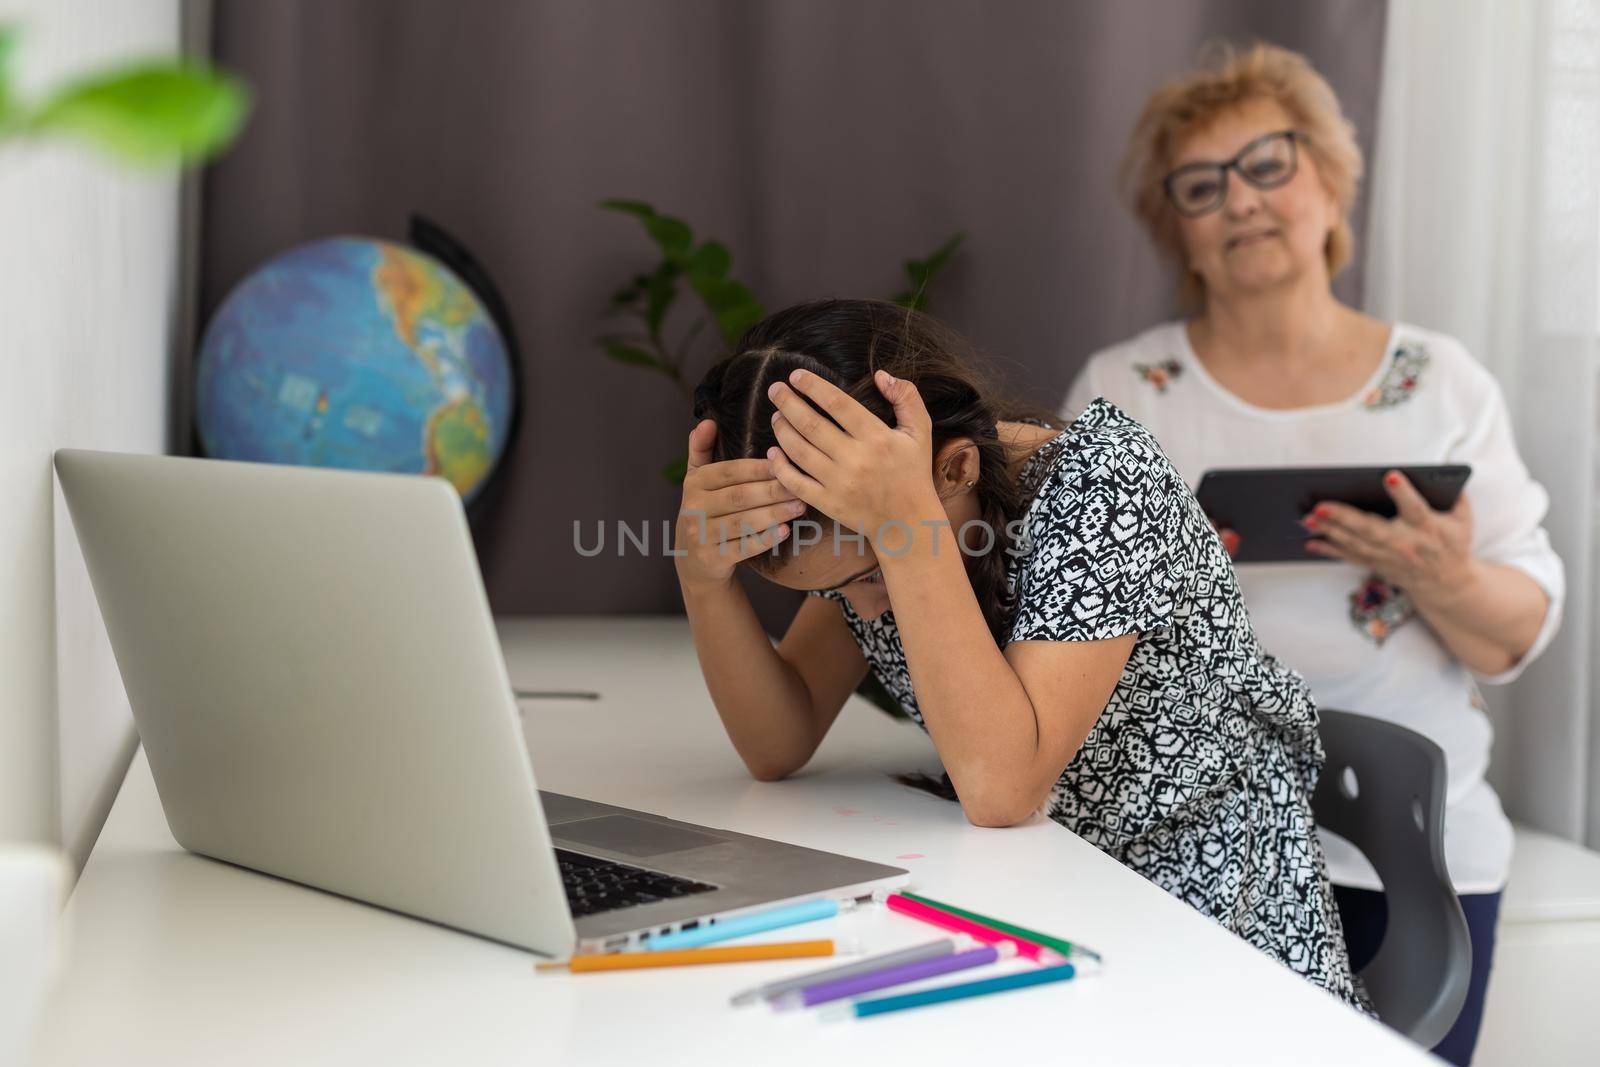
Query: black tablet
x: 1264, y: 506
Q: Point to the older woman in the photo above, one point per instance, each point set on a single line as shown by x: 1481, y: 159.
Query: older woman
x: 1244, y: 174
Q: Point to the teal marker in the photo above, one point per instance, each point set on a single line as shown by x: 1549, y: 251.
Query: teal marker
x: 883, y: 1005
x: 754, y: 923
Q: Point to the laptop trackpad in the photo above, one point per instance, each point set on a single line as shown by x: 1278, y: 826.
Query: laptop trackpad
x: 630, y: 836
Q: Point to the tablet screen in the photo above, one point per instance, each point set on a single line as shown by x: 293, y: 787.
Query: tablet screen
x: 1264, y: 505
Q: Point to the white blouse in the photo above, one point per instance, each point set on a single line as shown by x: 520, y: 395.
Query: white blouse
x: 1355, y: 638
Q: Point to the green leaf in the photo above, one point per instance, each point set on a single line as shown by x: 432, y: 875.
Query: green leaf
x: 738, y: 315
x: 630, y: 207
x: 8, y: 47
x: 706, y: 266
x: 632, y: 355
x: 720, y: 294
x: 732, y: 306
x: 708, y: 263
x: 725, y: 298
x: 922, y: 272
x: 661, y: 289
x: 941, y: 256
x: 149, y: 112
x: 677, y: 470
x: 631, y: 292
x: 671, y: 234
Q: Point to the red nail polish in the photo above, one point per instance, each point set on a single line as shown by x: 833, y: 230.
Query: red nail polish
x: 1321, y: 511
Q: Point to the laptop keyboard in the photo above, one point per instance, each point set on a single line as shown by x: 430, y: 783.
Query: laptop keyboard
x: 596, y: 885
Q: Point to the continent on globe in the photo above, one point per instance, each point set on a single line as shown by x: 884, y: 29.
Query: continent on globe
x: 359, y: 353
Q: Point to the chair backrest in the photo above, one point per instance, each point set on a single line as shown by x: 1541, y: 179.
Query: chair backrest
x: 1383, y: 789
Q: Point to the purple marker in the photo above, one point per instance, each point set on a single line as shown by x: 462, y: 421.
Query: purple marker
x: 823, y: 992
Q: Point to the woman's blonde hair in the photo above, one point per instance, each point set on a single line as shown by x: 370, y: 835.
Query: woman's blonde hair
x: 1189, y: 104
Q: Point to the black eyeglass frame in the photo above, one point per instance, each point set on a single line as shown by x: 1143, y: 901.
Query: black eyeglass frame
x: 1221, y: 171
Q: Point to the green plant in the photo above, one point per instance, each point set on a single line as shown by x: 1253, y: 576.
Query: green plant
x: 921, y: 273
x: 729, y: 304
x: 145, y: 112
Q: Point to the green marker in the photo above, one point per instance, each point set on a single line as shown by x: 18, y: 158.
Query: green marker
x: 1066, y: 948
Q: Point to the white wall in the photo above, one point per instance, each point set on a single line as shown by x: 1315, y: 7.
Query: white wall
x: 89, y: 270
x: 1485, y: 224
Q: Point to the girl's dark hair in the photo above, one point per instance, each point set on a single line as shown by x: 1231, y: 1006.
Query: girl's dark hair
x: 846, y: 342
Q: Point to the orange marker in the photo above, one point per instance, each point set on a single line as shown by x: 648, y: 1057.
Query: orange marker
x: 624, y: 961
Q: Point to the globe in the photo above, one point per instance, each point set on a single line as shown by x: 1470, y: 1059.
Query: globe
x: 358, y: 353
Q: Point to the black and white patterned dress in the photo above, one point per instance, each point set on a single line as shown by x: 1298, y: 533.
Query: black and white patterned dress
x: 1198, y: 774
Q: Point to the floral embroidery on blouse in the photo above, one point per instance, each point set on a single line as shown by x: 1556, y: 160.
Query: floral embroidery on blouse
x: 1378, y: 609
x: 1400, y: 383
x: 1160, y: 374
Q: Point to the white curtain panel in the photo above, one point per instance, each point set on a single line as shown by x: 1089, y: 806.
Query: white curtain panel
x: 1486, y: 224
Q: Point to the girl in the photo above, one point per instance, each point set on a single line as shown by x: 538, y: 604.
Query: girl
x: 1050, y: 604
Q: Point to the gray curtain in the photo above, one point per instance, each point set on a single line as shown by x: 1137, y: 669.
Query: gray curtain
x: 824, y: 141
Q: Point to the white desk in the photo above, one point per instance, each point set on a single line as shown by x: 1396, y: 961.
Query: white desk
x: 175, y: 959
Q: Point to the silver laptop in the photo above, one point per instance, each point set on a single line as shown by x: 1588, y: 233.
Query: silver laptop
x: 319, y: 688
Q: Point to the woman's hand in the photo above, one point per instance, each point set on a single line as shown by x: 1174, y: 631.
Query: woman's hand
x: 730, y: 511
x: 1423, y: 551
x: 862, y: 473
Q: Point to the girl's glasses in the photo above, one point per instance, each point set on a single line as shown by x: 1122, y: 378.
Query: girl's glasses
x: 1197, y: 189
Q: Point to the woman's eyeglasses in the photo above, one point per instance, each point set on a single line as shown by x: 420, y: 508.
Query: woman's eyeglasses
x: 1197, y: 189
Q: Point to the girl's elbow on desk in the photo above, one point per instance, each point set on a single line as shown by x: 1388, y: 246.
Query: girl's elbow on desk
x: 999, y: 807
x: 775, y: 759
x: 997, y: 818
x: 775, y: 769
x: 773, y: 773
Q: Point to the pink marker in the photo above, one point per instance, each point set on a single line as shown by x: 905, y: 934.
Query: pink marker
x: 1028, y: 950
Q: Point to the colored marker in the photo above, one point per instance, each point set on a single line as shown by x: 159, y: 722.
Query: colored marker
x: 962, y: 991
x: 930, y: 950
x: 1066, y: 948
x: 754, y: 923
x: 628, y: 961
x: 811, y: 996
x: 1028, y: 950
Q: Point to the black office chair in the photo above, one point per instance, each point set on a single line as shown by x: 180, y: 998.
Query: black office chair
x: 1383, y: 789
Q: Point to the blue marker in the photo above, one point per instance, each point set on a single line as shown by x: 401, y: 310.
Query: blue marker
x: 861, y: 1009
x: 754, y: 923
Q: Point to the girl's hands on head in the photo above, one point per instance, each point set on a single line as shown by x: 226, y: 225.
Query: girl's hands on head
x: 861, y: 472
x: 730, y: 511
x: 1423, y: 551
